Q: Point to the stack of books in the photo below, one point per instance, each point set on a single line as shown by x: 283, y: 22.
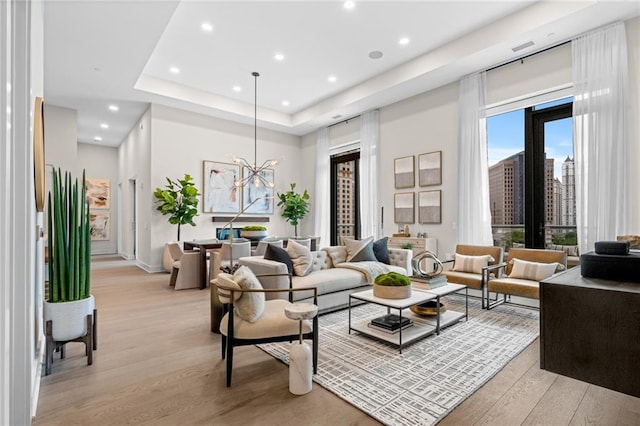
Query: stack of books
x: 390, y: 323
x: 428, y: 283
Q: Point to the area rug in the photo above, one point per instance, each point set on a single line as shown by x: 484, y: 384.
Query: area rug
x: 432, y: 376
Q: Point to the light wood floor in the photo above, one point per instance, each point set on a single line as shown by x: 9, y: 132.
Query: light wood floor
x: 158, y: 364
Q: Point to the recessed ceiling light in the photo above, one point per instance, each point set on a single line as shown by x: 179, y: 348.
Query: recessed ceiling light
x: 97, y: 138
x: 8, y: 87
x: 279, y: 57
x: 8, y: 110
x: 375, y: 54
x: 104, y: 126
x: 113, y: 108
x: 403, y: 41
x: 174, y: 70
x: 237, y: 89
x: 332, y: 79
x: 285, y: 103
x: 206, y: 27
x: 349, y: 5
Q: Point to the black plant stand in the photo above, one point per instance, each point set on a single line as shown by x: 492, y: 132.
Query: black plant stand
x: 90, y: 341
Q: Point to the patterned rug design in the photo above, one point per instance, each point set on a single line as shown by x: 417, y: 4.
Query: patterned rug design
x: 432, y: 376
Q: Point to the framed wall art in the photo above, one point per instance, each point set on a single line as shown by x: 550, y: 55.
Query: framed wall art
x: 98, y: 193
x: 403, y: 172
x: 429, y: 207
x: 403, y: 207
x: 251, y: 193
x: 99, y: 225
x: 219, y: 194
x: 430, y: 168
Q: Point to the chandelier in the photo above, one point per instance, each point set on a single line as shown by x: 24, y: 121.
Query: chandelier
x: 256, y: 174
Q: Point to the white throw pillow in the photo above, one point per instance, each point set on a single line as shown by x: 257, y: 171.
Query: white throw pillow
x: 338, y: 254
x: 300, y: 257
x: 354, y: 247
x: 251, y: 305
x: 532, y: 270
x: 473, y: 264
x: 226, y: 280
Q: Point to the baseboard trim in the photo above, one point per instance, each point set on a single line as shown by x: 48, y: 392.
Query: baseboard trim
x: 148, y: 268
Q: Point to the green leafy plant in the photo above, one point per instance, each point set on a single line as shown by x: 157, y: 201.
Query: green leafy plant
x: 69, y: 240
x: 392, y: 279
x: 408, y: 246
x: 179, y: 200
x: 254, y: 228
x: 295, y: 206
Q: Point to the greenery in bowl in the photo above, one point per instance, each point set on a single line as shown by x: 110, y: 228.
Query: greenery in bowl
x: 392, y: 279
x: 254, y: 228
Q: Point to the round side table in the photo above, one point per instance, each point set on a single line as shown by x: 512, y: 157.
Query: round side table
x: 300, y: 356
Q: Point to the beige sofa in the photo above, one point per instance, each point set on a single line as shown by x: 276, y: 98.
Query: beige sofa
x: 334, y: 284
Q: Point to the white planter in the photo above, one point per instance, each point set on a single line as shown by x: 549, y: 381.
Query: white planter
x: 69, y: 319
x: 392, y: 292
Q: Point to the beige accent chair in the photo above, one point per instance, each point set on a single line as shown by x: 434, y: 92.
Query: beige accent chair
x: 474, y: 280
x: 185, y: 271
x: 272, y: 326
x: 518, y: 286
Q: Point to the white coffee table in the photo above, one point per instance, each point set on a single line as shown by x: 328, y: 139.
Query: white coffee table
x: 448, y: 317
x: 403, y: 337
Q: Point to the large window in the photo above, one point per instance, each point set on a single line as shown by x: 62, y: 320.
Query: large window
x: 532, y: 189
x: 345, y: 207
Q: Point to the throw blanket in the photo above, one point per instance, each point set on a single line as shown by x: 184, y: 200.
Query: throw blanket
x: 370, y: 269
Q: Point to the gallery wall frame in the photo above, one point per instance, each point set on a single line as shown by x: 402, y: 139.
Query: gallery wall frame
x: 404, y: 207
x: 219, y: 193
x: 430, y: 168
x: 404, y: 172
x: 430, y: 206
x: 251, y: 193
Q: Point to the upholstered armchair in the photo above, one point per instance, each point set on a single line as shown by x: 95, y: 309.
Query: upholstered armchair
x: 470, y: 266
x: 249, y: 319
x: 185, y: 269
x: 522, y: 273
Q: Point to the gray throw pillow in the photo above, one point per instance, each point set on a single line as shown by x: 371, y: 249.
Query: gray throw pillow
x: 279, y: 255
x: 381, y: 250
x: 300, y: 257
x: 360, y: 250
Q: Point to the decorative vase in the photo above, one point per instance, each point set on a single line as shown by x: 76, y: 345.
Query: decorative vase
x: 69, y: 318
x: 392, y: 292
x: 254, y: 235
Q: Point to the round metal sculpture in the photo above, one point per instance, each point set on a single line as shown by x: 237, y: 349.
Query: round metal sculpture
x: 416, y: 264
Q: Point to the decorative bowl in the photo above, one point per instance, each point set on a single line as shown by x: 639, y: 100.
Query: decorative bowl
x: 253, y: 235
x: 392, y: 292
x: 428, y: 308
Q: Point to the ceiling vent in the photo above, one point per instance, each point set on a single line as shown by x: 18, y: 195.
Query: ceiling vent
x: 522, y: 46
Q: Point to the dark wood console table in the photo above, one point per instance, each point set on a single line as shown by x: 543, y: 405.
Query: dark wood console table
x: 590, y: 330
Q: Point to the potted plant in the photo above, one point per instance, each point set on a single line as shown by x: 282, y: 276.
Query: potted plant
x: 392, y: 285
x: 295, y: 206
x: 179, y: 200
x: 254, y: 232
x: 69, y: 244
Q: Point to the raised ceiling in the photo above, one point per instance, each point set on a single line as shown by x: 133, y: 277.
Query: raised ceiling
x: 121, y: 52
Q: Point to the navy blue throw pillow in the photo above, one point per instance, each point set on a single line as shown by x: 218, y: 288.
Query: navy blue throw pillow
x: 381, y: 251
x: 279, y: 255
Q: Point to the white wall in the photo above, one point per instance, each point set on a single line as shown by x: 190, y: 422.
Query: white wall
x: 180, y: 143
x: 61, y: 139
x: 101, y: 162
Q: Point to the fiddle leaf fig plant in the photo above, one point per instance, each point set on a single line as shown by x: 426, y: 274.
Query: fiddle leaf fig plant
x: 179, y: 200
x: 295, y: 206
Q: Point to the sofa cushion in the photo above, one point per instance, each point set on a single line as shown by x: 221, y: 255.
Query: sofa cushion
x: 327, y: 281
x: 279, y: 255
x: 359, y: 249
x: 473, y: 264
x: 534, y: 271
x: 338, y: 254
x: 381, y: 250
x: 251, y: 305
x: 300, y: 257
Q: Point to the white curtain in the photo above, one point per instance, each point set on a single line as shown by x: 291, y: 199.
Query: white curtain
x: 601, y: 142
x: 369, y: 136
x: 321, y: 206
x: 474, y: 215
